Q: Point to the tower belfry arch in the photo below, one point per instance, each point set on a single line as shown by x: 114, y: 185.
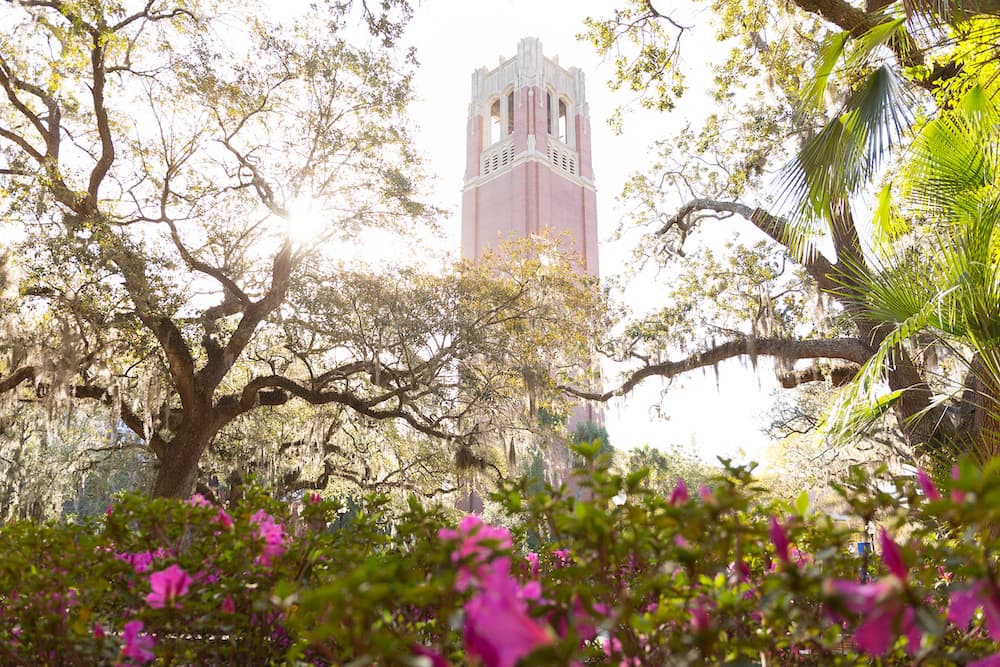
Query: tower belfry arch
x: 528, y: 160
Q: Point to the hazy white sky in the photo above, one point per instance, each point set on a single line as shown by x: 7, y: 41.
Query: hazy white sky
x: 455, y: 37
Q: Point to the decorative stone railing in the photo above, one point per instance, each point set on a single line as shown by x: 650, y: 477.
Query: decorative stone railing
x: 496, y: 157
x: 563, y: 157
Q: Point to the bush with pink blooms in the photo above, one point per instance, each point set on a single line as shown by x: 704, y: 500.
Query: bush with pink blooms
x: 616, y: 576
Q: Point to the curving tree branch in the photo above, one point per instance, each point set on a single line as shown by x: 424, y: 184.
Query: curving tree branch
x: 848, y: 349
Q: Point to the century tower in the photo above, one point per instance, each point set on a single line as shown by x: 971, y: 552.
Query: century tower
x: 528, y: 165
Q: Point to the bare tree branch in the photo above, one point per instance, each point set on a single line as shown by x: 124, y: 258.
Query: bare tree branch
x: 849, y: 349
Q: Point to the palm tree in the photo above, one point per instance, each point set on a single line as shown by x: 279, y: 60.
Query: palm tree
x: 948, y: 293
x: 944, y: 291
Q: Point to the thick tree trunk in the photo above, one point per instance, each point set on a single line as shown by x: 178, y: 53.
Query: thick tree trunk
x: 179, y: 465
x: 983, y: 395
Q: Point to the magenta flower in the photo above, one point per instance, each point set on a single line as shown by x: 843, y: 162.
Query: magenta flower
x: 885, y: 615
x: 707, y: 496
x: 779, y: 538
x: 198, y: 500
x: 962, y: 605
x: 957, y: 495
x: 739, y: 571
x: 141, y: 561
x: 437, y: 660
x: 167, y: 585
x: 478, y: 545
x: 223, y: 519
x: 585, y: 621
x: 927, y: 486
x: 498, y: 629
x: 892, y: 557
x: 315, y: 499
x: 701, y: 619
x: 137, y: 649
x: 679, y: 496
x: 228, y: 606
x: 273, y: 536
x: 532, y: 559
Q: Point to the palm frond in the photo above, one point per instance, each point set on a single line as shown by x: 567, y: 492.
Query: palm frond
x: 862, y: 403
x: 954, y: 160
x: 829, y: 54
x: 887, y: 223
x: 843, y: 157
x: 941, y: 13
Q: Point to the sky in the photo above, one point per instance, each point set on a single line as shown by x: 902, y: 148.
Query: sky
x: 455, y: 37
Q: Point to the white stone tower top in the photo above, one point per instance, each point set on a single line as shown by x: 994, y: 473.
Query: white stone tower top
x: 528, y: 68
x: 528, y: 163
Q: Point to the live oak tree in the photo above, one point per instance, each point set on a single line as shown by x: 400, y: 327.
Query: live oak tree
x: 818, y: 100
x: 182, y: 182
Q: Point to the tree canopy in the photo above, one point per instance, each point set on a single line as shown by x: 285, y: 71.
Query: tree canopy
x: 819, y: 104
x: 184, y: 182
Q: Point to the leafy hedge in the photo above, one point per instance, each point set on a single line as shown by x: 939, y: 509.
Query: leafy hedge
x: 621, y: 576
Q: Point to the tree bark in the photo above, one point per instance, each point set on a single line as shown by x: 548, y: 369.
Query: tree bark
x: 178, y: 470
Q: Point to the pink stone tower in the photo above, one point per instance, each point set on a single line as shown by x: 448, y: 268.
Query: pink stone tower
x: 528, y: 165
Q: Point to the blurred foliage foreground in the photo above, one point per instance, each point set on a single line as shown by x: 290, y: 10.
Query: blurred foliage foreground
x: 619, y: 575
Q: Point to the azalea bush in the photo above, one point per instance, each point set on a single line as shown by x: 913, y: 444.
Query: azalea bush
x: 617, y: 574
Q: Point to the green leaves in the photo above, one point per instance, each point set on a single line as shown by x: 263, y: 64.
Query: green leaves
x: 850, y: 149
x: 830, y: 54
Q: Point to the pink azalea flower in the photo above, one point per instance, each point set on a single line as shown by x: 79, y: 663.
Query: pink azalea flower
x: 706, y: 495
x: 223, y: 519
x: 532, y: 559
x: 739, y: 571
x: 701, y: 620
x: 141, y: 561
x: 990, y: 661
x: 207, y: 578
x: 679, y: 496
x: 198, y: 500
x: 957, y: 495
x: 927, y: 486
x: 498, y: 629
x: 167, y: 585
x: 315, y: 499
x: 437, y: 660
x: 584, y: 620
x: 891, y: 556
x: 228, y: 606
x: 779, y: 538
x: 273, y: 536
x: 477, y: 547
x: 801, y: 558
x: 137, y: 649
x: 884, y: 615
x: 99, y: 632
x: 962, y: 605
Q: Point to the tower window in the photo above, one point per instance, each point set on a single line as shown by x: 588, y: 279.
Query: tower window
x: 563, y: 124
x: 495, y: 124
